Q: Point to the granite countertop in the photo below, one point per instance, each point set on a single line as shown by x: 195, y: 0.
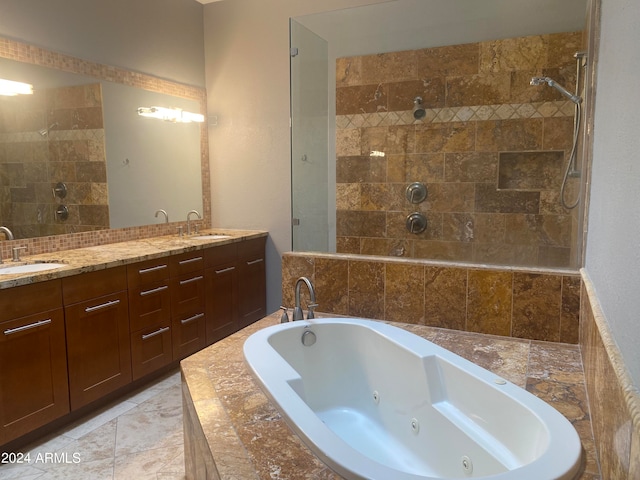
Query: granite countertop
x: 247, y: 437
x: 88, y: 259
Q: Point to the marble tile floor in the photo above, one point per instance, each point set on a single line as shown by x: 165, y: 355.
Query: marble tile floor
x: 136, y: 437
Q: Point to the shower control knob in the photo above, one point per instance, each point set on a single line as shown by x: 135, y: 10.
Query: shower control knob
x: 416, y: 223
x: 416, y: 192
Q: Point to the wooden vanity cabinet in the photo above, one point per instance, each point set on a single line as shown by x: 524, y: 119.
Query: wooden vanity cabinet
x: 236, y: 287
x: 149, y: 315
x: 97, y: 328
x: 252, y: 296
x: 222, y: 291
x: 33, y: 374
x: 187, y: 303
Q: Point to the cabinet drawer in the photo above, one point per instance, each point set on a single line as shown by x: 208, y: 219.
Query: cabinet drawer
x: 252, y: 248
x: 148, y: 271
x: 151, y: 349
x: 188, y: 334
x: 188, y: 294
x: 93, y: 284
x: 30, y: 299
x: 186, y: 263
x: 149, y: 305
x: 222, y: 254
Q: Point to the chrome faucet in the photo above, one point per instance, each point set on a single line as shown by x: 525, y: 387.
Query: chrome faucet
x: 298, y: 314
x: 8, y: 235
x: 189, y: 220
x: 164, y: 212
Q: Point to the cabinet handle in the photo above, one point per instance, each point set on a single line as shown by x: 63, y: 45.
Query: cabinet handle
x: 27, y: 327
x: 253, y: 262
x: 153, y: 334
x: 152, y: 269
x: 194, y: 279
x: 190, y: 260
x: 191, y: 319
x: 101, y: 306
x: 153, y: 290
x: 225, y: 270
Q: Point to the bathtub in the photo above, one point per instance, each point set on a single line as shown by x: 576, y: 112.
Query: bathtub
x: 376, y: 402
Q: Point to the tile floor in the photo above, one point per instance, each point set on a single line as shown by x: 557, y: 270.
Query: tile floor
x: 137, y: 437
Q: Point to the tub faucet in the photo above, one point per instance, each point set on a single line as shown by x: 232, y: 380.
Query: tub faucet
x: 189, y: 220
x: 8, y: 235
x: 298, y: 314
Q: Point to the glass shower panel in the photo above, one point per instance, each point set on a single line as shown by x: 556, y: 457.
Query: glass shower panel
x: 309, y: 139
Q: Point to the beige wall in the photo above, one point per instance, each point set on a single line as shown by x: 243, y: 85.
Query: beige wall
x: 247, y: 81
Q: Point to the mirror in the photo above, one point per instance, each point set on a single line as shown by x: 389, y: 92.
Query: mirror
x: 75, y: 156
x: 471, y: 63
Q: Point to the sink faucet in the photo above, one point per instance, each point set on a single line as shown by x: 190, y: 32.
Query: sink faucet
x: 297, y: 311
x: 8, y: 235
x: 189, y: 220
x: 164, y: 212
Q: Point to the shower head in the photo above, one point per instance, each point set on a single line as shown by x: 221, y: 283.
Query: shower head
x: 552, y: 83
x: 418, y: 110
x: 45, y: 131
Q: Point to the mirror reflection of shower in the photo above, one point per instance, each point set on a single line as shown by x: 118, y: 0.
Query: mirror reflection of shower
x: 572, y: 168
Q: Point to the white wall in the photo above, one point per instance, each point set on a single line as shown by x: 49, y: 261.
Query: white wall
x: 159, y: 37
x: 613, y: 240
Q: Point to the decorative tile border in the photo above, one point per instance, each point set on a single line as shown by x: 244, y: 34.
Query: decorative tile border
x: 458, y: 114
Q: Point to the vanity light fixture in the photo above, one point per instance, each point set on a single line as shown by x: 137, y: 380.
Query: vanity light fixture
x: 9, y: 88
x: 176, y: 115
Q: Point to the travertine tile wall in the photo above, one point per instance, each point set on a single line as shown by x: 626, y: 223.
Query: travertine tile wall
x: 72, y: 152
x: 23, y: 52
x: 491, y: 151
x: 510, y: 302
x: 614, y: 400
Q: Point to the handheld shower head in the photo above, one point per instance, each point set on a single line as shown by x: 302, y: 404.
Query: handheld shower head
x: 552, y: 83
x: 418, y: 110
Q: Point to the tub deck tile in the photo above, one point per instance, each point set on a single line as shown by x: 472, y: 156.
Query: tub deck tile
x: 550, y: 371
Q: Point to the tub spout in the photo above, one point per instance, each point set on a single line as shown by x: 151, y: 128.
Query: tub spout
x: 298, y: 314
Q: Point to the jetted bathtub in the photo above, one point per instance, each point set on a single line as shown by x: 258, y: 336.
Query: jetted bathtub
x: 376, y: 402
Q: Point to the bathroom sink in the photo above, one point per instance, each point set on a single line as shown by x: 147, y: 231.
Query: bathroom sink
x: 210, y: 236
x: 29, y: 268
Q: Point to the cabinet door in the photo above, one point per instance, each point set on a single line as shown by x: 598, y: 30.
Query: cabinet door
x: 98, y: 346
x: 222, y: 301
x: 188, y: 314
x: 33, y: 376
x: 252, y: 283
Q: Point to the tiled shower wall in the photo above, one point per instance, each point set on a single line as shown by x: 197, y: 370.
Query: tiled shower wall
x: 509, y: 302
x: 491, y: 151
x: 71, y: 151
